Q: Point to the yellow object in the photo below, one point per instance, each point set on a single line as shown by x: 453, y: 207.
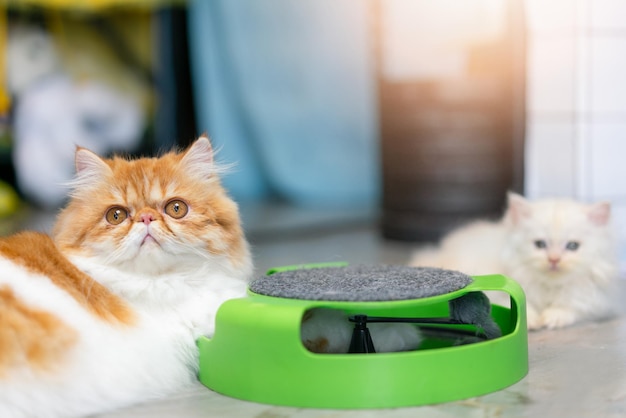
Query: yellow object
x: 5, y: 99
x: 5, y: 102
x: 9, y: 200
x: 92, y: 5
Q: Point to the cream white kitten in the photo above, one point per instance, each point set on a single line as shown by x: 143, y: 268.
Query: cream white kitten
x: 562, y: 252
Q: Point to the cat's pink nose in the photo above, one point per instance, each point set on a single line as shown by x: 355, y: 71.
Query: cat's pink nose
x: 146, y: 218
x: 554, y: 261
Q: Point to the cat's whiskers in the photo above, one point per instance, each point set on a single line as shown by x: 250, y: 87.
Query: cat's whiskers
x: 207, y: 254
x: 116, y: 255
x: 128, y: 256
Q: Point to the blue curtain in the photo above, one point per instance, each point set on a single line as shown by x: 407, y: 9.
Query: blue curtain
x: 286, y: 90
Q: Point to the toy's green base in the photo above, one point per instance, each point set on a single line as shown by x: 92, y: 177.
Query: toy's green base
x: 256, y: 355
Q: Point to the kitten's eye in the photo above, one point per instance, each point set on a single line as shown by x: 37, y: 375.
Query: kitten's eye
x: 540, y: 244
x: 116, y: 215
x: 176, y: 209
x: 572, y: 245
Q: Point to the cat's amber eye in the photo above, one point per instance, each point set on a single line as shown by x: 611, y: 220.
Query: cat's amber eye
x: 116, y: 215
x: 572, y: 245
x: 176, y: 208
x: 540, y: 244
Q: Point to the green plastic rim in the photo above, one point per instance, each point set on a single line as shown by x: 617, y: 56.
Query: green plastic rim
x: 256, y: 355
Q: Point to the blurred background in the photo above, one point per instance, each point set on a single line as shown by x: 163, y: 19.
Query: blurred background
x: 408, y: 117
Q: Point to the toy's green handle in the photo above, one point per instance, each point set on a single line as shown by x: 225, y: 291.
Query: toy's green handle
x: 497, y: 282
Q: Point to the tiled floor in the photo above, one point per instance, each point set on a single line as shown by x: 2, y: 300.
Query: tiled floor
x: 575, y: 372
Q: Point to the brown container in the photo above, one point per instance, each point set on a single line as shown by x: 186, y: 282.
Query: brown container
x: 452, y: 146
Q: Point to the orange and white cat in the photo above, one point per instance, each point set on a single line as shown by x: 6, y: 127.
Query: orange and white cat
x: 107, y: 312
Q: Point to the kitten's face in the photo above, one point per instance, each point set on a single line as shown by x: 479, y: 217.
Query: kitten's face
x: 557, y: 237
x: 152, y: 215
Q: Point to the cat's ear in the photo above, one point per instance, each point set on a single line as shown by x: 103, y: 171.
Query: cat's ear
x: 198, y: 158
x: 600, y: 213
x: 518, y: 208
x: 89, y: 167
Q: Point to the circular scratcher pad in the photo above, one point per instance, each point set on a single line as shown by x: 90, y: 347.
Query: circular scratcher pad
x: 360, y: 283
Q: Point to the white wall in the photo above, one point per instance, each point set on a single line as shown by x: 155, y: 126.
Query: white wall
x: 576, y: 102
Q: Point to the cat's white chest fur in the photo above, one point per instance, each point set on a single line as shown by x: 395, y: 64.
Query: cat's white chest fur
x: 187, y: 298
x: 114, y: 364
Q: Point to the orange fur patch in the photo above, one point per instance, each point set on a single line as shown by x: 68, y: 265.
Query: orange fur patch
x: 319, y: 345
x: 30, y: 337
x: 38, y: 253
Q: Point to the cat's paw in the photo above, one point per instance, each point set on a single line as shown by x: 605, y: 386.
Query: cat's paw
x: 533, y: 320
x: 553, y: 318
